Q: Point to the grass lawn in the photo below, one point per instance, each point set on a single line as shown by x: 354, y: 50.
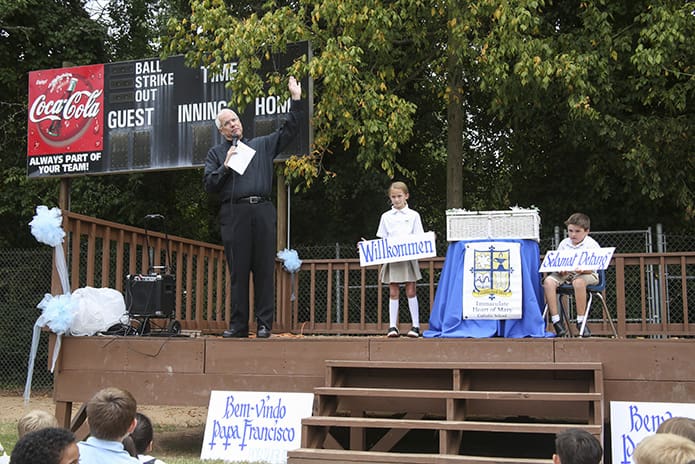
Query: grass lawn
x: 173, y: 446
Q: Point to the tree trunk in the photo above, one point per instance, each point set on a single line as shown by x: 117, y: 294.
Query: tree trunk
x: 454, y: 160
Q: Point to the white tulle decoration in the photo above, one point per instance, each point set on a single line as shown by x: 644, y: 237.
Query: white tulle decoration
x: 290, y: 259
x: 292, y: 264
x: 46, y: 226
x: 57, y: 312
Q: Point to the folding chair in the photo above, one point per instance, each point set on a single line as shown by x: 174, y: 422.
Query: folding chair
x: 592, y: 291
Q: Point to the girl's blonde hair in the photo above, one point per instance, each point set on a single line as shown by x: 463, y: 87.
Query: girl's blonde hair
x: 398, y: 185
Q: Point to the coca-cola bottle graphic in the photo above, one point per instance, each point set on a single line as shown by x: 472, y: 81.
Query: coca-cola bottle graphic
x: 56, y: 124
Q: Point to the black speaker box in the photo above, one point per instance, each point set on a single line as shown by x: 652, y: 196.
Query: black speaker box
x: 150, y: 295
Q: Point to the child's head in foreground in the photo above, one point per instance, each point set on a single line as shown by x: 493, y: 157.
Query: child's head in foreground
x: 111, y: 414
x: 36, y: 419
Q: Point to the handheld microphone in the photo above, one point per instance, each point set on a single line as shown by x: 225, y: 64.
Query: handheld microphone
x: 235, y: 140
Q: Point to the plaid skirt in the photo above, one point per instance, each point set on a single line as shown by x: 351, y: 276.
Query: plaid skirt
x: 400, y: 272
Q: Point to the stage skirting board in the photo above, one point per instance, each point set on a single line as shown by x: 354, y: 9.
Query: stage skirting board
x: 446, y: 317
x: 183, y: 371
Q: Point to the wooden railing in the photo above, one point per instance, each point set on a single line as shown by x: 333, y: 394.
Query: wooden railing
x: 101, y: 254
x: 648, y: 294
x: 653, y: 294
x: 337, y: 296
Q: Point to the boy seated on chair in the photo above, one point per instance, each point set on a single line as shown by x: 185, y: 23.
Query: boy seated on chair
x: 578, y: 226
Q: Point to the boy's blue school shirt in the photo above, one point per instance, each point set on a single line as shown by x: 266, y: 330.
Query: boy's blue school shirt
x: 97, y: 451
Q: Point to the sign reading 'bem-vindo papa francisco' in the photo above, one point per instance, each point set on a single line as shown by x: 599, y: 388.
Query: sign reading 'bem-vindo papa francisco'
x: 144, y: 115
x: 254, y: 426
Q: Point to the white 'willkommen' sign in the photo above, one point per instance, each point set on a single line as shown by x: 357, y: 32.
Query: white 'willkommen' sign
x: 571, y: 260
x: 631, y: 421
x: 393, y: 249
x: 254, y: 426
x: 492, y: 283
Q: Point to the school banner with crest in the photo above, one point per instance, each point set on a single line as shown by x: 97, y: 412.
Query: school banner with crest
x: 492, y: 284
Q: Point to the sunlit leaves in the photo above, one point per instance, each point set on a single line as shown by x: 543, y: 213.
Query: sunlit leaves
x: 357, y: 87
x: 610, y: 70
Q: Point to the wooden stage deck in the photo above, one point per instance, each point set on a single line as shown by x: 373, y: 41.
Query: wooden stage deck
x: 181, y: 371
x: 522, y: 387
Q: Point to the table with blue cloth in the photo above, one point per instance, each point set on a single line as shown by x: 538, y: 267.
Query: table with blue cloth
x: 446, y: 317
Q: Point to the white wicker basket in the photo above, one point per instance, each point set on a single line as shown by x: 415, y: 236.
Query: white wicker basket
x: 516, y: 223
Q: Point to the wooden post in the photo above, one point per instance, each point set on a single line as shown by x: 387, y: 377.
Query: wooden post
x: 64, y: 194
x: 282, y: 212
x: 64, y: 205
x: 282, y: 303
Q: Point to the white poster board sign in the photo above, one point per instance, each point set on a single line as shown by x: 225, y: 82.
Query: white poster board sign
x: 254, y: 426
x: 492, y: 281
x: 393, y: 249
x: 241, y: 160
x: 631, y: 421
x: 592, y: 259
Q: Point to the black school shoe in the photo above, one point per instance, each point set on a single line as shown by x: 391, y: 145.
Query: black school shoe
x: 263, y: 332
x: 559, y: 329
x: 414, y: 332
x: 229, y: 333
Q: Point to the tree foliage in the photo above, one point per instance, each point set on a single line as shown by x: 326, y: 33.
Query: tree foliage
x: 33, y: 35
x: 366, y: 57
x: 601, y: 90
x: 565, y: 105
x: 585, y: 97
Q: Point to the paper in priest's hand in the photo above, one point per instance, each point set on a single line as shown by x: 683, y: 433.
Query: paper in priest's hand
x: 241, y: 159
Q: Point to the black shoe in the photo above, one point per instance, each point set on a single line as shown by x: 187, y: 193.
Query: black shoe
x: 393, y: 332
x: 414, y: 332
x: 559, y: 329
x: 235, y: 333
x: 587, y: 332
x: 263, y: 332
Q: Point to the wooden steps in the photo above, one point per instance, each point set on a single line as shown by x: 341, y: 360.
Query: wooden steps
x: 369, y: 408
x: 326, y: 392
x: 442, y: 426
x: 317, y: 456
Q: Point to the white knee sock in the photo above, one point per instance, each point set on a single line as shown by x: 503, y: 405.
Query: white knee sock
x: 393, y: 313
x: 414, y: 311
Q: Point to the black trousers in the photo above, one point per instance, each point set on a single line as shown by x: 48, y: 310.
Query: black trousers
x: 249, y: 237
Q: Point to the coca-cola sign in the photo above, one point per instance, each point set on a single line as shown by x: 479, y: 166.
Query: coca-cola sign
x: 66, y: 110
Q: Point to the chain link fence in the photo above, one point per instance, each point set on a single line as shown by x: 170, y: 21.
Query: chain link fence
x: 26, y: 278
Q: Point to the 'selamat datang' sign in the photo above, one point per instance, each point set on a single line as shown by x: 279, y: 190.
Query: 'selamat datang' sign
x: 590, y: 259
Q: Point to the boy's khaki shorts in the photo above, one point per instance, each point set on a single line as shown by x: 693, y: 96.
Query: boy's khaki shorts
x: 591, y: 279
